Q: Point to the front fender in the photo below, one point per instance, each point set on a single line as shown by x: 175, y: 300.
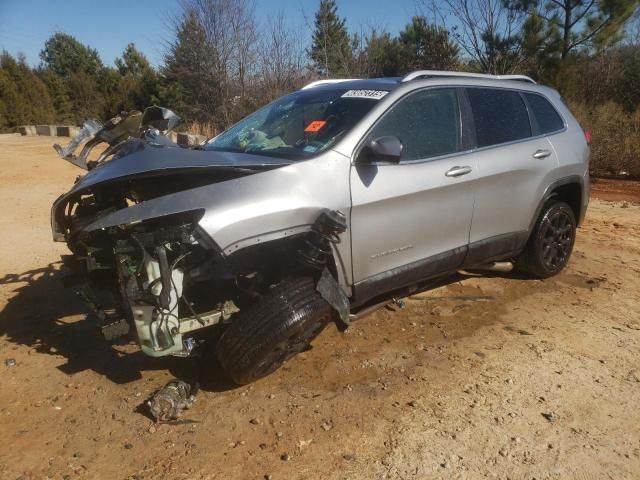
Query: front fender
x: 259, y: 208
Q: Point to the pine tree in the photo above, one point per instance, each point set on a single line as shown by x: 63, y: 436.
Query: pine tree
x: 133, y: 62
x: 559, y: 27
x: 427, y: 46
x: 85, y: 79
x: 330, y: 49
x: 137, y: 81
x: 24, y: 98
x: 65, y: 56
x: 59, y: 96
x: 191, y: 83
x: 383, y: 55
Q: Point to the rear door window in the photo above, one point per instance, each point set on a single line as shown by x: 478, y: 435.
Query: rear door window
x: 546, y: 116
x: 426, y: 122
x: 500, y: 116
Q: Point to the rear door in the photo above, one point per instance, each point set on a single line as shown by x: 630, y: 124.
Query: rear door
x: 411, y: 220
x: 513, y: 163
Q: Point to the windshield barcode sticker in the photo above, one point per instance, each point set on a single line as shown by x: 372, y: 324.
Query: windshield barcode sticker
x: 372, y: 94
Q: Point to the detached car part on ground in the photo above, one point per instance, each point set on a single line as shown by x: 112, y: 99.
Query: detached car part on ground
x: 320, y: 206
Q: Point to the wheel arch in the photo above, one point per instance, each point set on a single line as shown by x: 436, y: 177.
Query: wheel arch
x: 285, y: 247
x: 568, y: 189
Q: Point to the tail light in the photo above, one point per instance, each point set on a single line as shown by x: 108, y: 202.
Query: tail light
x: 587, y: 136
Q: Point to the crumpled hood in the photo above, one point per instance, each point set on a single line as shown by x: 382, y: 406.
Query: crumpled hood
x: 147, y: 159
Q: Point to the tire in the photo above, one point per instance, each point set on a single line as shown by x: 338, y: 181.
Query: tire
x: 268, y: 333
x: 551, y: 242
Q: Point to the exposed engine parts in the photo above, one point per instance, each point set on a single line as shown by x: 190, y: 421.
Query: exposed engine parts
x: 168, y: 284
x: 155, y: 271
x: 324, y: 232
x: 170, y: 401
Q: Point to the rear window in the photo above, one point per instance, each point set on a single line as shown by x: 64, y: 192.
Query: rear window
x: 546, y: 116
x: 500, y: 116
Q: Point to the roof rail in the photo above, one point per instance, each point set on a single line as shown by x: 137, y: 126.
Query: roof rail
x: 441, y: 73
x: 327, y: 81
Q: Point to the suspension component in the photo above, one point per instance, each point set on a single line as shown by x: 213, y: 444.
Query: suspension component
x: 325, y: 231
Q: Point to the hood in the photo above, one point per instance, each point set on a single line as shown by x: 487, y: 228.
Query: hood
x: 138, y: 158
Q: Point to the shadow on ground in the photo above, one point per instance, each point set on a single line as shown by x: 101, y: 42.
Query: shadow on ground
x: 44, y: 315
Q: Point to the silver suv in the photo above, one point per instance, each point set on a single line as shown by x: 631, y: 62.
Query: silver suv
x: 321, y: 205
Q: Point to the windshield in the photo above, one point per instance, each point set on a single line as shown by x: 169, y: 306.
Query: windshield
x: 298, y: 125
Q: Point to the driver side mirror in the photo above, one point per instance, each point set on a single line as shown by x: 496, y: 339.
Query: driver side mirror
x: 382, y: 149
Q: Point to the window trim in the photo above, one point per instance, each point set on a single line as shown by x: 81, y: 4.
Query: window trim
x: 457, y: 90
x: 466, y: 119
x: 513, y: 142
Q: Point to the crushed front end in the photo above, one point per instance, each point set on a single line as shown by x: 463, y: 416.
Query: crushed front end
x: 146, y: 275
x: 155, y: 274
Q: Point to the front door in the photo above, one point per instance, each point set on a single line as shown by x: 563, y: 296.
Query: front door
x: 411, y: 220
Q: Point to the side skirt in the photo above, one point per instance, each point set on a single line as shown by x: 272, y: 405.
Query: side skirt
x: 407, y: 275
x: 499, y: 247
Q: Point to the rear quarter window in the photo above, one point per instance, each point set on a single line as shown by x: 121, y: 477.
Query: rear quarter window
x: 500, y: 116
x: 545, y: 114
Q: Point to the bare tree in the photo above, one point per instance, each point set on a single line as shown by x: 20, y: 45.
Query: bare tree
x: 230, y: 32
x: 487, y: 31
x: 281, y: 58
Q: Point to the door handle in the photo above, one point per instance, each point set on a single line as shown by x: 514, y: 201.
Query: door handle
x: 457, y: 171
x: 539, y: 154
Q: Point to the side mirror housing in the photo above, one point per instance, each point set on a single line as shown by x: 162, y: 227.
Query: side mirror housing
x: 382, y: 149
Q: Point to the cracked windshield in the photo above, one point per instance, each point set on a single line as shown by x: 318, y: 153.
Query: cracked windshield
x: 298, y: 125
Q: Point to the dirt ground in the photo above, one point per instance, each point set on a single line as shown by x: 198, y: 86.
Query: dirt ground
x: 487, y: 377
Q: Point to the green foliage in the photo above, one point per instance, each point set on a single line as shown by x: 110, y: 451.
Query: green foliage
x: 425, y: 46
x: 330, y: 51
x: 57, y: 88
x: 66, y: 56
x: 190, y: 83
x: 72, y: 84
x: 133, y: 62
x: 559, y: 27
x: 200, y: 77
x: 383, y: 55
x: 24, y: 98
x: 134, y: 84
x: 82, y: 87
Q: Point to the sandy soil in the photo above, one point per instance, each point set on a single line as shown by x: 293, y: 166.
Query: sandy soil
x: 487, y: 377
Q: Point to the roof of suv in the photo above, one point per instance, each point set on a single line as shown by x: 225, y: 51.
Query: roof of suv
x: 385, y: 83
x: 391, y: 83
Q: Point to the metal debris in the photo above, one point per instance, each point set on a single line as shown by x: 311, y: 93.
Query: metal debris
x: 169, y: 402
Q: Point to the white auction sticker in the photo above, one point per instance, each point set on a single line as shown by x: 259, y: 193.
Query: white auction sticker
x: 373, y: 94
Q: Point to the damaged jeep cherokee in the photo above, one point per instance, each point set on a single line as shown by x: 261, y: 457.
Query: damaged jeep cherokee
x: 320, y: 206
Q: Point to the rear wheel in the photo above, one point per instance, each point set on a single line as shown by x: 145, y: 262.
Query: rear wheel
x: 551, y: 242
x: 268, y: 333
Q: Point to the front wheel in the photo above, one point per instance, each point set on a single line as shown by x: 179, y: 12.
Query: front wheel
x: 274, y: 329
x: 551, y: 242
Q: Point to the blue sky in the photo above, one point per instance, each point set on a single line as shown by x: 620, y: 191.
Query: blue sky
x: 109, y: 26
